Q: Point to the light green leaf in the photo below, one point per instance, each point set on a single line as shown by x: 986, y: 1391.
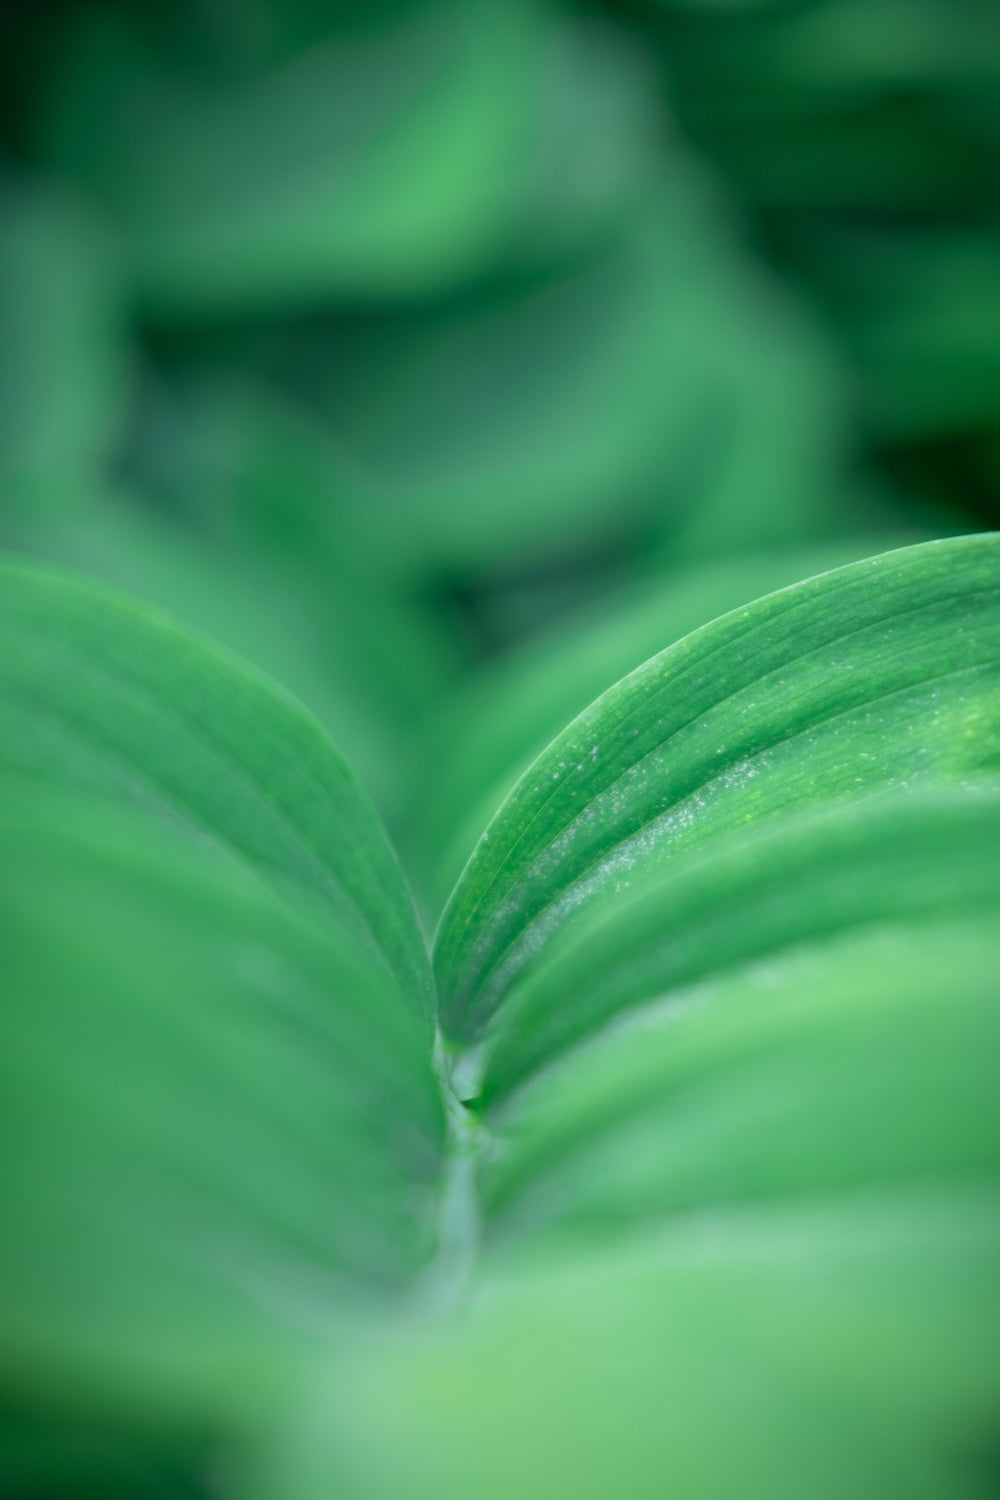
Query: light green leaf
x: 829, y: 1350
x: 841, y: 1059
x: 220, y: 1118
x: 745, y: 1246
x: 880, y: 676
x: 101, y: 695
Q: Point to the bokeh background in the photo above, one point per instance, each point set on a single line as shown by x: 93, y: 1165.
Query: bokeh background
x: 449, y: 357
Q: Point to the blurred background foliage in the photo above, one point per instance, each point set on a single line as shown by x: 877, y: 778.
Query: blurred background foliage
x: 447, y: 358
x: 393, y: 342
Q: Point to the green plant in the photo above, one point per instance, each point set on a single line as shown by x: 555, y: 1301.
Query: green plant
x: 676, y: 1176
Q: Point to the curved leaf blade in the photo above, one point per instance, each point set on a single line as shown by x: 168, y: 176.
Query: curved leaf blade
x: 758, y: 1353
x: 882, y: 675
x: 220, y: 1119
x: 99, y: 694
x: 858, y: 1064
x: 801, y: 878
x: 481, y: 743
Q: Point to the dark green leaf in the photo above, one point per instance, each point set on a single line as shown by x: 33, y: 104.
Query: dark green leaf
x: 922, y: 317
x: 382, y: 159
x: 622, y: 394
x: 60, y: 1457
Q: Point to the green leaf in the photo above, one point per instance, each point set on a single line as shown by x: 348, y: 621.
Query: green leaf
x: 250, y: 607
x: 221, y: 1122
x: 479, y: 743
x: 922, y: 317
x: 382, y: 159
x: 615, y: 397
x: 235, y: 531
x: 62, y: 348
x: 60, y: 1457
x: 104, y: 696
x: 255, y: 477
x: 598, y: 149
x: 896, y: 156
x: 841, y: 1349
x: 477, y: 431
x: 722, y: 1241
x: 845, y: 105
x: 827, y: 1025
x: 803, y: 62
x: 882, y: 675
x: 802, y: 877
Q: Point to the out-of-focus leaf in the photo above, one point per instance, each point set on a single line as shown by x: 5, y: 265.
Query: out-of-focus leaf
x: 485, y: 428
x: 601, y: 141
x: 881, y: 675
x: 775, y: 464
x: 922, y: 317
x: 382, y: 159
x: 609, y: 399
x: 482, y: 740
x: 753, y: 901
x: 249, y: 607
x: 220, y: 1119
x: 864, y: 136
x: 240, y: 531
x: 103, y: 695
x: 833, y: 1349
x: 868, y: 105
x: 902, y: 154
x: 816, y: 59
x: 60, y: 1457
x: 259, y: 479
x: 62, y: 348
